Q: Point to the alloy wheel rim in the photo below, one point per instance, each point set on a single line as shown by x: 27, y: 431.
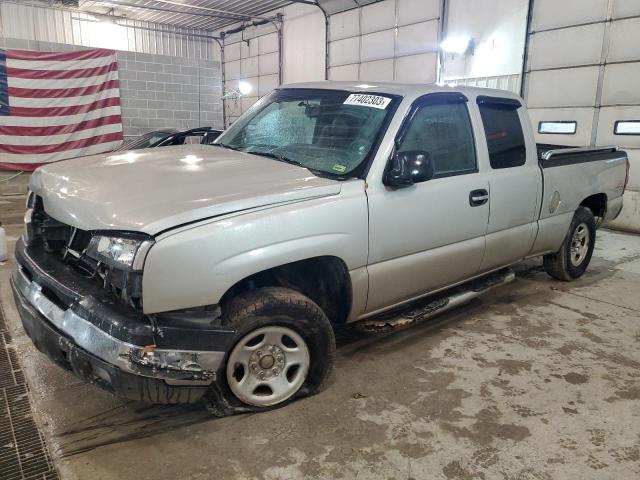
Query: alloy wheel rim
x: 579, y: 244
x: 268, y: 366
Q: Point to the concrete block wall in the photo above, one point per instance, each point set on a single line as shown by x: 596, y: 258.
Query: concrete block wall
x: 158, y: 91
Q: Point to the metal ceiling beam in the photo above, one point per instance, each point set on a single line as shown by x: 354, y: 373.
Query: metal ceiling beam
x: 235, y: 17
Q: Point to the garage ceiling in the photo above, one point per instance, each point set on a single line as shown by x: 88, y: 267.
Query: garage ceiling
x: 201, y: 14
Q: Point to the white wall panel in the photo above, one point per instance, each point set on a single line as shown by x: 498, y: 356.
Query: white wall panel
x: 304, y: 40
x: 378, y: 16
x: 249, y: 48
x: 381, y: 35
x: 266, y: 83
x: 344, y: 25
x: 412, y: 11
x: 582, y: 116
x: 378, y: 71
x: 625, y: 8
x: 268, y: 44
x: 497, y: 28
x: 572, y: 87
x: 606, y: 122
x: 553, y: 13
x: 232, y: 70
x: 232, y: 52
x: 268, y: 63
x: 621, y: 84
x: 566, y: 47
x: 376, y: 46
x: 344, y: 72
x: 345, y: 51
x: 22, y: 25
x: 416, y: 68
x: 418, y: 38
x: 624, y: 42
x: 249, y: 67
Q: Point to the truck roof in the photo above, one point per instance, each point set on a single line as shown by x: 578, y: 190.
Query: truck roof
x: 407, y: 90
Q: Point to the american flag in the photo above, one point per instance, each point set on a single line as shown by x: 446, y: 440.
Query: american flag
x: 56, y: 105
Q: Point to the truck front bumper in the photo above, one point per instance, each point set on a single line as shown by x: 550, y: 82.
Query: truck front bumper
x: 101, y: 344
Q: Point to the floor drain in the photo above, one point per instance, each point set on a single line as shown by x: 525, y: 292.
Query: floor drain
x: 23, y: 452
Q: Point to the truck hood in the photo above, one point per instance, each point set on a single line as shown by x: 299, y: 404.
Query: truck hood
x: 156, y: 189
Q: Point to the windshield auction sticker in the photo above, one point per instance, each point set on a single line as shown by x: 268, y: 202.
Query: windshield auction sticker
x: 364, y: 100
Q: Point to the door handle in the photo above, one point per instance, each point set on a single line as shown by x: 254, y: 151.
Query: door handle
x: 478, y: 197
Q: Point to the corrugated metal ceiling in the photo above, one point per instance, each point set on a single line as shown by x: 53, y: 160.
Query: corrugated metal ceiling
x: 203, y: 14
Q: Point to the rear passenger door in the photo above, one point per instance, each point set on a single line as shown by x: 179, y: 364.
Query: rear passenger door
x: 514, y: 181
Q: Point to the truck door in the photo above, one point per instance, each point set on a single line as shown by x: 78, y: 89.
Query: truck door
x: 514, y: 181
x: 431, y: 234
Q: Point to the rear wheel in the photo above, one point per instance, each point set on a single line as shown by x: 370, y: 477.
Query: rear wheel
x: 284, y: 349
x: 571, y: 261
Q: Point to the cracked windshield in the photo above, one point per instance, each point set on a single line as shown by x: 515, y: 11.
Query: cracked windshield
x: 323, y: 130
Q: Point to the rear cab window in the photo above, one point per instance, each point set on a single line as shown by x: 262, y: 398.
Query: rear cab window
x: 503, y: 130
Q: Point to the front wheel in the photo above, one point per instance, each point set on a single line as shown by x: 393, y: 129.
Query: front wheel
x: 571, y: 261
x: 284, y: 349
x: 268, y: 366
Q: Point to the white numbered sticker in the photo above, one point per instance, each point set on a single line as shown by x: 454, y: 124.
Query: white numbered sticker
x: 364, y: 100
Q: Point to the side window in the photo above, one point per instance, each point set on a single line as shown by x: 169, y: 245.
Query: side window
x: 193, y: 140
x: 444, y: 131
x: 505, y: 139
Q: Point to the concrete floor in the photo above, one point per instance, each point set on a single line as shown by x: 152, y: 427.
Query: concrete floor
x: 537, y: 380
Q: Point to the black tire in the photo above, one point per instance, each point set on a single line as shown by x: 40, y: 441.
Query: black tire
x: 283, y: 307
x: 560, y: 265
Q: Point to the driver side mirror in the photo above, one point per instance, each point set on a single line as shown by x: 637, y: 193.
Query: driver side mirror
x: 407, y: 168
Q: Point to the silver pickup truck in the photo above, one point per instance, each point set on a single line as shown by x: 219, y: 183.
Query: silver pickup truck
x: 219, y: 272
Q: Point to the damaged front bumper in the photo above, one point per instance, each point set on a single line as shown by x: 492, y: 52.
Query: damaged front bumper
x: 80, y: 327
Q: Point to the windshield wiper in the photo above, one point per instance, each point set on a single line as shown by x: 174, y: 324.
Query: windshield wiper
x: 280, y: 158
x: 315, y: 171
